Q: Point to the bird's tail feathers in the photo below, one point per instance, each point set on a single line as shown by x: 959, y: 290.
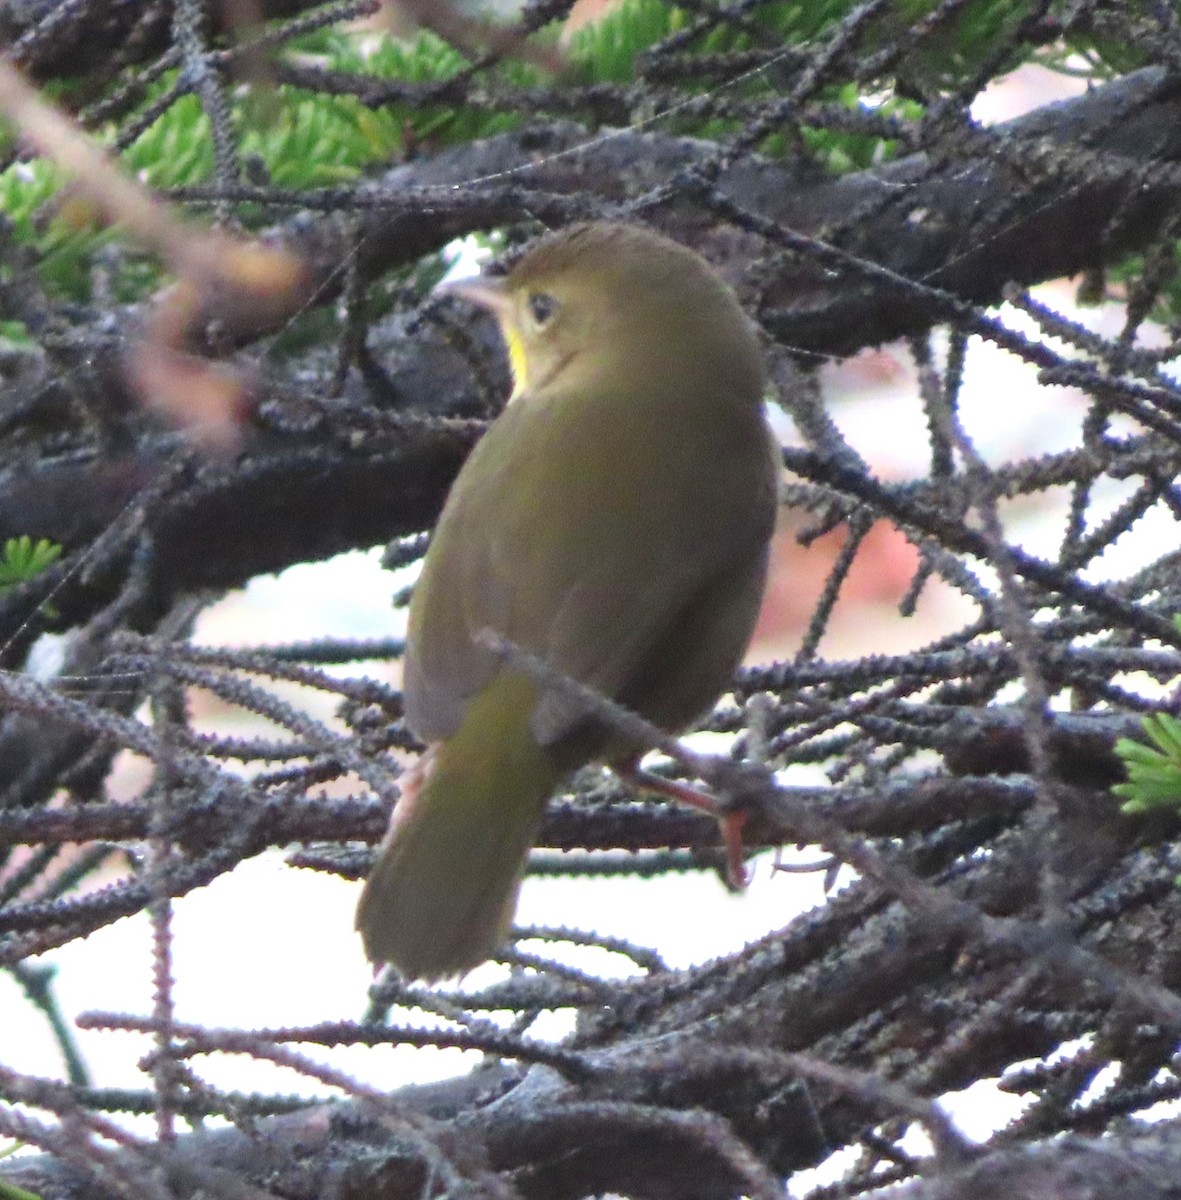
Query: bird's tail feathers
x: 443, y: 892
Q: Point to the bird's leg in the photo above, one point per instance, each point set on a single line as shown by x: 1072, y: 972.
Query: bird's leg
x: 731, y: 821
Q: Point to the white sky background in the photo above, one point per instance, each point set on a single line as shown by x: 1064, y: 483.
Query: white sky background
x: 273, y: 946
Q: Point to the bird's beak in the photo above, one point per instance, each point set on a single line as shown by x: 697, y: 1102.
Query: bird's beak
x: 488, y: 291
x: 491, y: 292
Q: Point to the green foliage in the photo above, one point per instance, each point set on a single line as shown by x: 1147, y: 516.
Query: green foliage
x: 9, y: 1191
x: 1154, y: 772
x: 15, y: 337
x: 23, y: 559
x: 606, y: 50
x: 61, y: 232
x: 297, y: 138
x: 610, y: 48
x: 955, y: 47
x: 176, y: 150
x: 24, y: 187
x: 424, y: 60
x: 301, y: 139
x: 958, y: 47
x: 1113, y: 282
x: 306, y: 141
x: 1154, y: 775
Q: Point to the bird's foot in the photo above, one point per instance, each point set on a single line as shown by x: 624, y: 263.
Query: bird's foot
x: 731, y: 821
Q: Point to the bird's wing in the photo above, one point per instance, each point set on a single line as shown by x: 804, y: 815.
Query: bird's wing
x: 674, y: 662
x: 464, y: 587
x: 584, y: 544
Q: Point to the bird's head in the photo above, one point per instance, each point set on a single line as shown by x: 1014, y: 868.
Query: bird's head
x: 598, y: 294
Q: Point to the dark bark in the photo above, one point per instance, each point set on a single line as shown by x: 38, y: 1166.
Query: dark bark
x: 49, y: 38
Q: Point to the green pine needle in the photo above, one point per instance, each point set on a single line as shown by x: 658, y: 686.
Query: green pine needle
x: 1154, y: 772
x: 24, y: 558
x: 9, y: 1191
x: 296, y: 139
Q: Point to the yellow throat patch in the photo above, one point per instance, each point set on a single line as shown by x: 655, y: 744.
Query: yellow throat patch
x: 516, y: 358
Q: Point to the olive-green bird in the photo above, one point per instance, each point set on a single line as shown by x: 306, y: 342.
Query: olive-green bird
x: 614, y: 521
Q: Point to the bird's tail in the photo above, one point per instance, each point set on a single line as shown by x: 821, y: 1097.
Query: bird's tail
x: 443, y: 892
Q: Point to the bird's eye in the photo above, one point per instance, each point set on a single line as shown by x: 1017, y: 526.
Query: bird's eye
x: 542, y: 307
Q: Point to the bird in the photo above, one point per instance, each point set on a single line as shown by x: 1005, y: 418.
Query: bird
x: 614, y: 522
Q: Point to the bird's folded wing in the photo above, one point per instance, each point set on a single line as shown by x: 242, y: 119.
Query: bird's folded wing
x: 556, y: 553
